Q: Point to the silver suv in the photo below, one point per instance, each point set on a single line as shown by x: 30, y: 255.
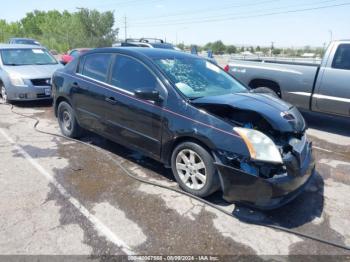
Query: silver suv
x: 25, y: 72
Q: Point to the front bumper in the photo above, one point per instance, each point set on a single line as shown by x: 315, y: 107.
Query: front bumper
x: 28, y: 93
x: 262, y: 193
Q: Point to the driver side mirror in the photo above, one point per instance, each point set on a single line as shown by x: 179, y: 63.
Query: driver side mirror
x: 151, y: 95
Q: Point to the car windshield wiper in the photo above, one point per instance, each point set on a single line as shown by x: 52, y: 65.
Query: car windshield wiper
x: 12, y: 64
x: 194, y: 98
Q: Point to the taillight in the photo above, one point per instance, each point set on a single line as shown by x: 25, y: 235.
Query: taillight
x: 227, y: 68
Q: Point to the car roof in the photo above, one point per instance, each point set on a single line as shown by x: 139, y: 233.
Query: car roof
x: 84, y: 48
x: 80, y: 50
x: 19, y: 46
x: 22, y: 38
x: 148, y: 52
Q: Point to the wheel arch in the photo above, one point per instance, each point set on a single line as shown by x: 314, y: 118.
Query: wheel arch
x: 2, y: 82
x: 58, y: 100
x: 261, y: 82
x: 182, y: 139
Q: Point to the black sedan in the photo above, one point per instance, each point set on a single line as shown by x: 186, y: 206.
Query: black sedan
x: 192, y: 116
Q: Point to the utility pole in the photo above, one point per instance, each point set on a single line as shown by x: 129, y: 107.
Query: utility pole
x: 331, y: 35
x: 125, y: 28
x: 272, y: 47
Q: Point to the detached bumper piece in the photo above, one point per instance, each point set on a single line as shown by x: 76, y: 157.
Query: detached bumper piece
x: 271, y: 193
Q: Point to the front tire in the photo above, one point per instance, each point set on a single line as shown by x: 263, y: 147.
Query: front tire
x: 67, y: 121
x: 3, y: 94
x: 194, y: 170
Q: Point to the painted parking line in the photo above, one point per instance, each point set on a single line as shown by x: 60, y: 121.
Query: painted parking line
x: 329, y: 151
x: 98, y: 225
x: 323, y: 149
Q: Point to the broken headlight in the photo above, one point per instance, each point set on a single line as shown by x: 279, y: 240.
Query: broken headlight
x: 260, y: 146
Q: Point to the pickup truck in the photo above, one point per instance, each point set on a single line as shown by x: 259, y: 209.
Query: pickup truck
x: 321, y: 87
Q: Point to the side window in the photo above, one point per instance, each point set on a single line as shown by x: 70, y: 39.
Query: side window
x: 129, y: 74
x: 80, y: 66
x: 96, y: 66
x: 342, y: 57
x: 74, y: 53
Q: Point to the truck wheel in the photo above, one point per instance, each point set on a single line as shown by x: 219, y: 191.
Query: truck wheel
x: 266, y: 90
x: 194, y: 170
x: 67, y: 121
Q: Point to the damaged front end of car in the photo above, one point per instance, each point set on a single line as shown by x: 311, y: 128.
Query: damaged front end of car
x: 280, y: 161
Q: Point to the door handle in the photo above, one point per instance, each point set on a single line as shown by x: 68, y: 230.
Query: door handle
x: 75, y: 84
x: 111, y: 100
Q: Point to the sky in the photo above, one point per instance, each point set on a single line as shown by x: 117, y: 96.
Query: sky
x: 287, y: 23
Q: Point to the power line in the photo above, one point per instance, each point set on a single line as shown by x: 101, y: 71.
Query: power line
x: 248, y: 16
x: 127, y: 3
x: 224, y: 16
x: 205, y: 10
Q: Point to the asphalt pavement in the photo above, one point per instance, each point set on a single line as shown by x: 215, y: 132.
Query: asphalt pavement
x: 59, y: 197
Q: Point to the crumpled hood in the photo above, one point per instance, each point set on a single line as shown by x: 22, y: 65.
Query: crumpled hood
x: 33, y: 71
x: 281, y: 115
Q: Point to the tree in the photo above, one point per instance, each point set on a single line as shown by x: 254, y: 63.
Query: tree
x: 9, y: 30
x: 181, y: 46
x: 97, y: 27
x: 31, y: 23
x: 265, y: 50
x: 218, y: 47
x: 208, y: 46
x: 307, y: 49
x: 276, y: 51
x: 320, y: 51
x: 64, y: 30
x: 231, y: 49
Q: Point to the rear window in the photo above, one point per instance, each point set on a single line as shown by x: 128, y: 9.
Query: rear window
x: 96, y: 66
x: 342, y: 57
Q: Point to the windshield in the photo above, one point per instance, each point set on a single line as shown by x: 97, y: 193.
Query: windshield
x: 18, y: 57
x: 196, y: 77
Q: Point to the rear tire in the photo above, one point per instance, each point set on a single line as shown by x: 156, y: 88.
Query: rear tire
x: 194, y: 170
x: 67, y: 121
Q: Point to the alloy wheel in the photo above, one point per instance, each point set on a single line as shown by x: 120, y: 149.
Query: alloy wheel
x: 66, y: 121
x: 191, y: 169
